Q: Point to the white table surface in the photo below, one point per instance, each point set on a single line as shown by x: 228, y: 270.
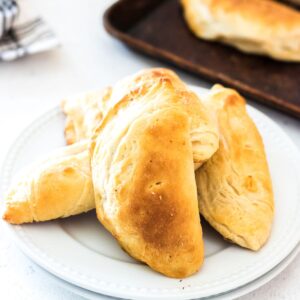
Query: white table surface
x: 88, y: 58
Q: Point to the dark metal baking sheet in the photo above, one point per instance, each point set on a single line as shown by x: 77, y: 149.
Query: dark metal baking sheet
x: 157, y: 28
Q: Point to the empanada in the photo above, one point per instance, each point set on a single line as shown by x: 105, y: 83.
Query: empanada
x: 83, y: 113
x: 143, y: 172
x: 56, y: 187
x: 255, y: 26
x: 234, y: 186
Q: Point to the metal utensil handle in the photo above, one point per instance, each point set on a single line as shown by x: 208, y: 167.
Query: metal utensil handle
x: 9, y: 11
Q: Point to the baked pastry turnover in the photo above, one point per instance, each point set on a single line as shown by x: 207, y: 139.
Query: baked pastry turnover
x: 143, y: 158
x: 234, y: 186
x: 255, y: 26
x: 83, y: 114
x: 56, y: 187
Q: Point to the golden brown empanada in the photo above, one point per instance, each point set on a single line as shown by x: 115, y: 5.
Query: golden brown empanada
x: 257, y: 26
x: 143, y: 172
x: 56, y: 187
x: 83, y: 113
x: 234, y: 186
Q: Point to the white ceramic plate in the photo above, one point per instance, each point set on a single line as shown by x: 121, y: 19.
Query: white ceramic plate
x: 80, y: 251
x: 239, y: 292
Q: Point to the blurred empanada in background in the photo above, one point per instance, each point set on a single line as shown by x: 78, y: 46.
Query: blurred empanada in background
x: 265, y: 27
x: 234, y: 186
